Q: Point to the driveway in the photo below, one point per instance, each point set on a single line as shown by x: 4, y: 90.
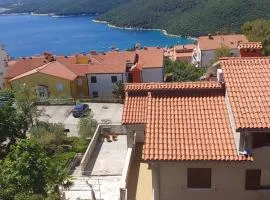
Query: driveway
x: 102, y: 112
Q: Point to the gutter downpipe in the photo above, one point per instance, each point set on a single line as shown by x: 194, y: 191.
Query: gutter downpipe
x: 156, y: 181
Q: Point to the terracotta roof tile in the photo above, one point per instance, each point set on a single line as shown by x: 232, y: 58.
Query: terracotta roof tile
x: 231, y: 41
x: 248, y: 84
x: 172, y: 86
x: 250, y: 45
x: 53, y: 68
x: 184, y: 121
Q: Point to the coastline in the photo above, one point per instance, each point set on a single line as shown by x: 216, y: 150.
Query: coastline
x: 165, y: 32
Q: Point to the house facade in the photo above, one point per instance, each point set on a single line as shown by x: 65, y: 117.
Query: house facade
x: 144, y: 65
x: 94, y: 75
x: 3, y: 65
x: 50, y: 80
x: 204, y: 53
x: 181, y: 52
x: 205, y: 140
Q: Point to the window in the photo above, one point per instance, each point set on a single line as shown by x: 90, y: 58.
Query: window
x: 93, y: 79
x: 59, y: 87
x: 79, y: 81
x: 95, y: 94
x: 114, y: 79
x: 199, y: 178
x: 253, y: 179
x: 260, y: 140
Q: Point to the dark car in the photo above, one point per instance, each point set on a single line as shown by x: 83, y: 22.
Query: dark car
x: 80, y: 110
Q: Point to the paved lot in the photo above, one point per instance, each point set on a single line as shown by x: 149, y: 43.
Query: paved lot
x: 102, y: 112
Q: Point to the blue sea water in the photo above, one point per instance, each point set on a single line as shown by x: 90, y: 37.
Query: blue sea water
x: 26, y: 35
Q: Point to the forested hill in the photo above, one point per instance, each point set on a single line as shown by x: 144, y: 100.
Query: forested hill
x: 64, y: 7
x: 181, y: 17
x: 188, y: 17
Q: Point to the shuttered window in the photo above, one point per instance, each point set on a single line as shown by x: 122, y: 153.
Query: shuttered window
x: 260, y: 140
x: 199, y: 178
x: 253, y: 179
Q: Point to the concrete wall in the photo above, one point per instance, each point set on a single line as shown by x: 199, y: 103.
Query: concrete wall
x: 228, y: 179
x: 130, y: 130
x: 207, y: 56
x: 89, y: 150
x: 3, y: 66
x: 104, y: 85
x: 152, y: 75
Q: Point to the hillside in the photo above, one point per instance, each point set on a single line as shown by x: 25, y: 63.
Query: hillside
x: 181, y: 17
x: 65, y: 7
x: 188, y: 17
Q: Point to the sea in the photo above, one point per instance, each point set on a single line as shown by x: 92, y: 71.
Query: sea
x: 30, y: 34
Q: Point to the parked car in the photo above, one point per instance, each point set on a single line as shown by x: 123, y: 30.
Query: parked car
x: 80, y: 110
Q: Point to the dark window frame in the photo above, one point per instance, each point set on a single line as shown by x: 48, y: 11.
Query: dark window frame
x: 253, y: 179
x: 199, y: 178
x: 260, y: 139
x: 95, y: 94
x: 114, y: 79
x: 93, y: 79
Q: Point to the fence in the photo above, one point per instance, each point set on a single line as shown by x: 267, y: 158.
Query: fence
x: 64, y: 101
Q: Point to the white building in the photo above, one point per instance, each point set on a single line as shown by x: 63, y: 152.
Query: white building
x: 145, y: 65
x: 3, y: 65
x: 205, y: 50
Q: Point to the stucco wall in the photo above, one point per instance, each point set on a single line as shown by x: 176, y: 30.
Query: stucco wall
x: 46, y: 80
x: 228, y: 180
x: 104, y: 85
x: 131, y: 129
x: 152, y: 75
x: 3, y: 68
x: 207, y: 56
x: 80, y: 87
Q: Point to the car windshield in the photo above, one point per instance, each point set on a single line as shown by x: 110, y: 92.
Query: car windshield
x: 78, y: 107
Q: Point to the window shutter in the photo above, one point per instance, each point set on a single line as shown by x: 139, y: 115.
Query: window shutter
x: 253, y: 179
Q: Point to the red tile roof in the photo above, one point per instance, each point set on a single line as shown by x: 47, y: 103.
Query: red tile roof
x: 21, y: 66
x: 110, y: 62
x: 248, y: 84
x: 184, y: 121
x: 250, y: 45
x: 53, y: 68
x: 172, y: 86
x: 231, y: 41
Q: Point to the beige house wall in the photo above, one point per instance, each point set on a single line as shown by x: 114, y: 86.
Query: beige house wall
x: 228, y: 179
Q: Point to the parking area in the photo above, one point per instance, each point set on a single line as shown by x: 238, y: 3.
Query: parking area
x: 102, y: 112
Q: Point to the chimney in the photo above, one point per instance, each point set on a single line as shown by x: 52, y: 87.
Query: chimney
x: 93, y: 52
x: 250, y: 49
x: 48, y: 57
x: 210, y: 37
x: 136, y: 60
x: 220, y: 76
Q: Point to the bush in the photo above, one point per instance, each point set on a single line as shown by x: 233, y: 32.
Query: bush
x: 79, y: 145
x: 62, y: 159
x: 87, y: 126
x: 24, y: 196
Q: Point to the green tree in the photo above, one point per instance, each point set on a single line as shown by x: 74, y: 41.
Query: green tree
x: 50, y: 136
x: 181, y: 71
x: 11, y: 125
x: 119, y: 90
x: 25, y: 98
x: 223, y: 51
x: 87, y: 126
x: 28, y: 169
x: 258, y: 30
